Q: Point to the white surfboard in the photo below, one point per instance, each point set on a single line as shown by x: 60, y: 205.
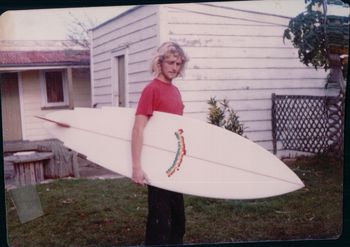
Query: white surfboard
x: 179, y: 154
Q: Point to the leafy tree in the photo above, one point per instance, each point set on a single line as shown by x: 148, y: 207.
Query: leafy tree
x: 306, y: 31
x: 321, y: 39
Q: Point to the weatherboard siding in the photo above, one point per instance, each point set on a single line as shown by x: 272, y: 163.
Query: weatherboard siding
x: 210, y: 14
x: 81, y: 88
x: 31, y: 98
x: 136, y: 32
x: 235, y: 55
x: 239, y: 56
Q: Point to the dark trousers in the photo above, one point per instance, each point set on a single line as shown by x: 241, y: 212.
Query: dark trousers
x: 166, y: 217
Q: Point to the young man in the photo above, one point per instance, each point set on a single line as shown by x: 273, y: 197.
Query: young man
x: 166, y: 214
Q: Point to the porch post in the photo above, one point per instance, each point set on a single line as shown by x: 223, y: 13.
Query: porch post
x: 273, y: 118
x: 70, y: 88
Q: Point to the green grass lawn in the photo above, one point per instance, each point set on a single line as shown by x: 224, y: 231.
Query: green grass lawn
x: 113, y: 212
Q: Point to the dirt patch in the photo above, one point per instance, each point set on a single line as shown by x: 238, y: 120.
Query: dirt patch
x: 90, y: 169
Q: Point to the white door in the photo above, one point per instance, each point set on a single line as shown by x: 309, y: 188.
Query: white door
x: 119, y: 80
x: 10, y: 107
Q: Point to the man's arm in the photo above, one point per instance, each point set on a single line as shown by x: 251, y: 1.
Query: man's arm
x: 138, y: 176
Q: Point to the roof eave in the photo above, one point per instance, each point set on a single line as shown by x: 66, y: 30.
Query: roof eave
x: 16, y: 67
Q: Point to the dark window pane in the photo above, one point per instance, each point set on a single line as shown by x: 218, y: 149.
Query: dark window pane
x: 54, y: 87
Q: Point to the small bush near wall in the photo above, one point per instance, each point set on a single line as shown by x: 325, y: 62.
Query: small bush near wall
x: 223, y: 115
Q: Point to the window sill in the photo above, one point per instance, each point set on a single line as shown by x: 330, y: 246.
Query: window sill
x: 55, y: 107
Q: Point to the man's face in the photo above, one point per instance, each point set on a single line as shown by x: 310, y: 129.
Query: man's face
x: 170, y: 67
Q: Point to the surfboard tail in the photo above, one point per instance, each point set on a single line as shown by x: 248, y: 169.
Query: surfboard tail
x: 64, y: 125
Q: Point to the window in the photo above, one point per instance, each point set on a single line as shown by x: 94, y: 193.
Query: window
x: 54, y: 84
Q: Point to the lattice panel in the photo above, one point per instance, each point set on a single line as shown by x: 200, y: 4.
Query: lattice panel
x: 336, y: 113
x: 307, y: 123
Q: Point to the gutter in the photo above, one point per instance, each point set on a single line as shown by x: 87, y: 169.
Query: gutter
x: 13, y: 68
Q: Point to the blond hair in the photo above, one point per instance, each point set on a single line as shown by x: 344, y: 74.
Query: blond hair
x: 164, y: 51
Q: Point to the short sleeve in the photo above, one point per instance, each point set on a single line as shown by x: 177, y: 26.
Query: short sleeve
x: 147, y: 102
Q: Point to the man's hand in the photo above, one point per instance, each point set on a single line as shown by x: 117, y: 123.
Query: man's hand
x: 139, y: 177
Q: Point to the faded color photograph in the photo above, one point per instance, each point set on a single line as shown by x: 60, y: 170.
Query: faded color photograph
x: 182, y: 124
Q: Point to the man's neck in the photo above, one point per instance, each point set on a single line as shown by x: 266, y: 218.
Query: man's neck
x: 163, y: 79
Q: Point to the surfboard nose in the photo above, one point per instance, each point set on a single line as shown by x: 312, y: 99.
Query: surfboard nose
x: 295, y: 180
x: 294, y: 183
x: 300, y: 183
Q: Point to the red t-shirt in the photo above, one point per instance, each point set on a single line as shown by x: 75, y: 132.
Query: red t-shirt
x: 160, y: 96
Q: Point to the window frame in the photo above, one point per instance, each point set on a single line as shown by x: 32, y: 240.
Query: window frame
x: 114, y: 56
x: 45, y: 102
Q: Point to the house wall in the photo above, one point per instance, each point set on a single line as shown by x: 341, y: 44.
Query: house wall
x: 30, y: 93
x: 81, y: 87
x: 235, y: 55
x: 238, y: 56
x: 135, y: 35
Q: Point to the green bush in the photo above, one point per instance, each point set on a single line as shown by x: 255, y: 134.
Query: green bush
x: 224, y: 116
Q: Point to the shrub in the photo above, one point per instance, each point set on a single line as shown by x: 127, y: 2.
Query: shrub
x: 224, y: 116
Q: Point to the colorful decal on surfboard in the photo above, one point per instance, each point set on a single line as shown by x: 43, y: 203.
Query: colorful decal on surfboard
x: 181, y: 152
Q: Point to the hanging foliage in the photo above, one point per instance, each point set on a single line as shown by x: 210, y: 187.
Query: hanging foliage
x: 314, y: 35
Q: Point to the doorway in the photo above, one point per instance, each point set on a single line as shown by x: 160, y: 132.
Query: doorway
x: 119, y: 94
x: 10, y: 107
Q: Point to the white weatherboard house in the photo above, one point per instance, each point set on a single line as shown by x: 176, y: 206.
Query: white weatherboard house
x: 234, y: 54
